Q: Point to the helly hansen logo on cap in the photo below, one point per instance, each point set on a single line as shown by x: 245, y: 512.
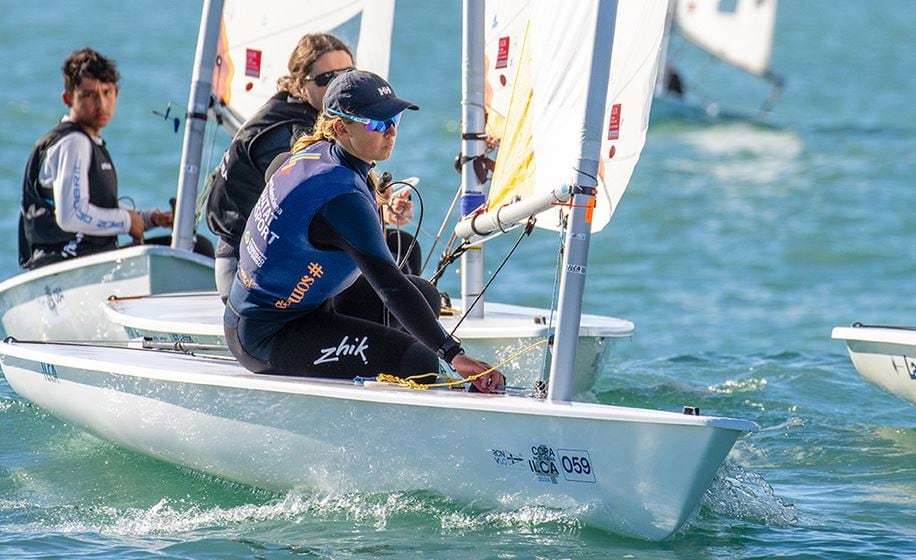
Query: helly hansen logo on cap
x: 385, y: 90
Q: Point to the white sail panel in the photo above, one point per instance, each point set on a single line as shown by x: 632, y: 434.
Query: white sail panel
x: 256, y: 42
x: 545, y: 123
x: 506, y: 22
x: 739, y: 32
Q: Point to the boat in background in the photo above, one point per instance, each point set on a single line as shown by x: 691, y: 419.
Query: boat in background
x: 63, y: 301
x: 636, y: 472
x: 884, y: 355
x: 738, y: 35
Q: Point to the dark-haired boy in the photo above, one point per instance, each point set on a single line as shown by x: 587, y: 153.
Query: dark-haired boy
x: 70, y: 189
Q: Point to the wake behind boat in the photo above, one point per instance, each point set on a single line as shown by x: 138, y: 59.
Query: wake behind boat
x: 884, y: 355
x: 631, y: 471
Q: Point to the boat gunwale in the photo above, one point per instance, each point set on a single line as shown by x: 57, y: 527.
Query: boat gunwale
x: 885, y: 335
x: 592, y: 326
x: 102, y: 258
x: 349, y: 390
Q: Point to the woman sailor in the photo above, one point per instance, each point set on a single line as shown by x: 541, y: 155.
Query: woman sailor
x: 313, y: 231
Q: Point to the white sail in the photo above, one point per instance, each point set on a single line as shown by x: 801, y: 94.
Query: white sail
x: 255, y: 43
x: 739, y: 32
x: 550, y: 84
x: 506, y: 22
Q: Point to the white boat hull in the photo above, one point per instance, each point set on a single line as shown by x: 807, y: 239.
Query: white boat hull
x: 63, y: 301
x: 504, y: 331
x: 631, y: 471
x: 885, y: 356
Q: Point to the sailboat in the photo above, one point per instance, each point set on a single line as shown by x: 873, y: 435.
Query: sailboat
x: 63, y: 301
x: 884, y: 355
x: 737, y: 34
x: 496, y: 332
x: 630, y: 471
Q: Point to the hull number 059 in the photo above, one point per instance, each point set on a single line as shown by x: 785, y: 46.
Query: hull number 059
x: 576, y: 465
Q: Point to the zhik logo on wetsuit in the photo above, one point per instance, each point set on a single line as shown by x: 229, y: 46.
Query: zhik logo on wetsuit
x: 345, y: 348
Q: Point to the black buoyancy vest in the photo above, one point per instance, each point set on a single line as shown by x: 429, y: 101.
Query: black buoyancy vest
x: 237, y: 183
x: 37, y: 223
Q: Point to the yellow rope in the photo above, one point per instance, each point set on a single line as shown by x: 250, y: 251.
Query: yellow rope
x: 409, y: 383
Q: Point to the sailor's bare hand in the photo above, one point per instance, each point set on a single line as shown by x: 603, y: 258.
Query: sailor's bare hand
x: 397, y: 209
x: 161, y: 219
x: 137, y: 227
x: 466, y: 366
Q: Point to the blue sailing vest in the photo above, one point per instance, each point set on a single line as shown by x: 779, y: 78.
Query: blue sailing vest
x: 281, y: 274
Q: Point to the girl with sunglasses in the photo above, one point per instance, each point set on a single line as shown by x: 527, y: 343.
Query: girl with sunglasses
x: 238, y: 180
x: 314, y: 238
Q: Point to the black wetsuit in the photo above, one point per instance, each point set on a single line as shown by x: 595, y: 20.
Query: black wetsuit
x: 239, y: 179
x: 291, y: 309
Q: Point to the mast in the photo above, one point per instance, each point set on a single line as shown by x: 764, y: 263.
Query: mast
x: 661, y: 73
x: 195, y: 123
x: 578, y: 234
x: 473, y: 118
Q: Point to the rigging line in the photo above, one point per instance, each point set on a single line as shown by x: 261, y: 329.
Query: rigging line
x: 529, y: 227
x: 589, y: 175
x: 128, y: 344
x: 859, y: 325
x: 204, y: 191
x: 561, y: 248
x: 409, y: 383
x: 448, y: 258
x: 448, y: 215
x: 413, y: 243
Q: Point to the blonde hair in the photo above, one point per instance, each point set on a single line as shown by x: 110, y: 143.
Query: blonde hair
x: 324, y: 131
x: 309, y: 49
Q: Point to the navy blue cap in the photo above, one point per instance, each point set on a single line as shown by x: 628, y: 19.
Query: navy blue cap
x: 364, y: 94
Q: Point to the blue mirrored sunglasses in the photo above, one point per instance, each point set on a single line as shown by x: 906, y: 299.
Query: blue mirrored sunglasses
x: 371, y: 124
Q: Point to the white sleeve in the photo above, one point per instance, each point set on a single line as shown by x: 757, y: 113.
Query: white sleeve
x: 66, y: 168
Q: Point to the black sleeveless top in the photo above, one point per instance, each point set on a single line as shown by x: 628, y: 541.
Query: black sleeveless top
x: 238, y: 181
x: 39, y: 234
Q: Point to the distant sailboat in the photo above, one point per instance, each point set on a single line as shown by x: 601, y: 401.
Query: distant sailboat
x: 738, y: 33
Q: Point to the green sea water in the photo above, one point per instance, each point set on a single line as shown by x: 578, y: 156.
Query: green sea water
x: 736, y: 250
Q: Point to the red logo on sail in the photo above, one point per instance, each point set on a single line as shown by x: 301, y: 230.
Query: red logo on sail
x: 253, y: 63
x: 502, y: 55
x: 613, y: 127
